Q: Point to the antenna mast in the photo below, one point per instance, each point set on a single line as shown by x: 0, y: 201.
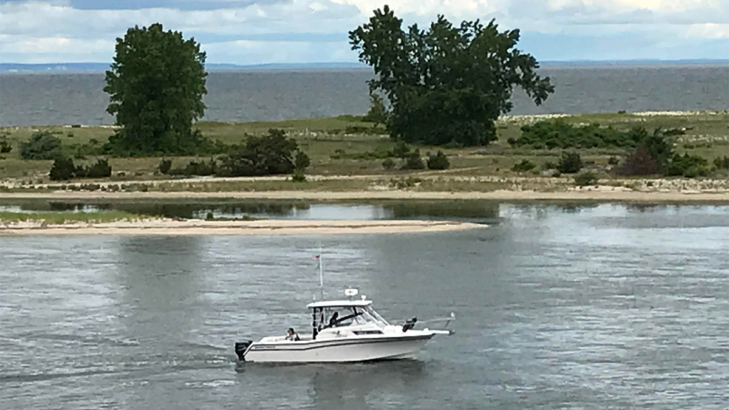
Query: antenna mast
x: 321, y: 274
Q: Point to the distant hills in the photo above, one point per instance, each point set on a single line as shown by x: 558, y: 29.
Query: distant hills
x: 101, y: 67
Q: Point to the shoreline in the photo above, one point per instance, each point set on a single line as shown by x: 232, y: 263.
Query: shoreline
x: 265, y: 227
x: 589, y: 195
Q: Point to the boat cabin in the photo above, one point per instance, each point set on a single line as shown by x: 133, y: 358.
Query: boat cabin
x: 357, y: 315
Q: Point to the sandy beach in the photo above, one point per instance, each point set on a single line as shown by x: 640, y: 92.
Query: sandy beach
x: 265, y: 227
x: 601, y: 194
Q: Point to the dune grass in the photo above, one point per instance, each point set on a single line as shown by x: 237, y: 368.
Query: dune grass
x: 323, y: 139
x: 59, y: 218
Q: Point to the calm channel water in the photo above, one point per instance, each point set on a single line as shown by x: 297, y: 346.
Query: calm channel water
x: 590, y: 307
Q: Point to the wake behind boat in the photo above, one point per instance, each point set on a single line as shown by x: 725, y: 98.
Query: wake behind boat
x: 342, y: 331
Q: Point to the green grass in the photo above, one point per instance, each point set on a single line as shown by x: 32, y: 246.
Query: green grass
x: 58, y: 218
x: 707, y: 135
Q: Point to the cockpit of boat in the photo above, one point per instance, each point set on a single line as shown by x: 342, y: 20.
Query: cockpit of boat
x: 358, y: 315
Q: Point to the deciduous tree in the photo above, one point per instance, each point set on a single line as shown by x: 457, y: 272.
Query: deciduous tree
x: 156, y: 84
x: 449, y: 83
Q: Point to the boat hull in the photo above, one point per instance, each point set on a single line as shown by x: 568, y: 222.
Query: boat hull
x: 337, y: 350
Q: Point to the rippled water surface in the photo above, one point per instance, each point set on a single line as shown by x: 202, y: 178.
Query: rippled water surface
x: 41, y: 99
x: 559, y: 307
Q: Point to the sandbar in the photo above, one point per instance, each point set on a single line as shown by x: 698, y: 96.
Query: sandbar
x: 601, y: 194
x: 263, y: 227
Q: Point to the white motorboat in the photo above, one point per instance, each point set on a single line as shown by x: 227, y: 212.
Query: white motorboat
x: 342, y: 331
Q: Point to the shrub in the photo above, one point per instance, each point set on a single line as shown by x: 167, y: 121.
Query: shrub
x: 613, y: 161
x: 378, y: 112
x: 5, y: 146
x: 585, y: 179
x: 301, y: 161
x: 560, y: 134
x: 388, y: 164
x: 298, y: 176
x: 62, y: 169
x: 164, y: 166
x: 722, y: 162
x: 101, y: 169
x: 41, y: 146
x: 414, y: 161
x: 201, y: 168
x: 689, y: 166
x: 549, y: 165
x: 358, y: 129
x: 640, y: 163
x: 401, y: 150
x: 569, y: 163
x: 524, y: 166
x: 270, y: 154
x: 438, y: 161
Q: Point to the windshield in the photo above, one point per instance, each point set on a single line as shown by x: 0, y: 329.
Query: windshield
x: 351, y: 316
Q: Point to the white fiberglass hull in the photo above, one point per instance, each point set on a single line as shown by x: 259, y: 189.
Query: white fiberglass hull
x: 338, y: 350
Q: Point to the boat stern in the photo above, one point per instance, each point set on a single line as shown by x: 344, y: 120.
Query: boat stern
x: 241, y: 348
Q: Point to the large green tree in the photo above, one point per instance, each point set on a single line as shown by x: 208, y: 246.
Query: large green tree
x: 449, y: 83
x: 156, y: 83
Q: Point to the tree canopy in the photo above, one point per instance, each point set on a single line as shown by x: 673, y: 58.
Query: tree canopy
x: 449, y: 83
x: 156, y: 85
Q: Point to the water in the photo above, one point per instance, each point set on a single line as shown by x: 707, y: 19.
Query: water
x: 455, y: 210
x: 42, y: 99
x: 593, y: 307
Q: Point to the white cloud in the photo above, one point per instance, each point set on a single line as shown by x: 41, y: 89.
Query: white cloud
x: 315, y: 30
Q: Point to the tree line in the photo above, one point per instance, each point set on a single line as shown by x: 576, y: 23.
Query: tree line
x: 445, y: 85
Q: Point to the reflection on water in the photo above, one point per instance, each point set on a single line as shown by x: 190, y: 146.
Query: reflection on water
x: 470, y: 210
x: 602, y: 306
x: 153, y: 286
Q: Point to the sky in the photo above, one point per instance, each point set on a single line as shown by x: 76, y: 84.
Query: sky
x: 315, y: 31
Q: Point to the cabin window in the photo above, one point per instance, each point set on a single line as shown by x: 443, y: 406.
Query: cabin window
x: 367, y: 332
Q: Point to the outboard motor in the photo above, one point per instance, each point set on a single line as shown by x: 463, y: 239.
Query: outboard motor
x: 409, y: 324
x: 241, y: 347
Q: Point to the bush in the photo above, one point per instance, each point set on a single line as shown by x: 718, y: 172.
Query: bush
x: 5, y: 146
x: 524, y: 166
x: 301, y: 161
x: 613, y: 161
x: 401, y: 150
x: 438, y: 161
x: 414, y: 161
x: 298, y: 176
x: 585, y: 179
x: 378, y: 112
x: 721, y: 162
x: 640, y: 163
x: 381, y: 152
x: 358, y: 129
x: 41, y: 146
x: 388, y: 164
x: 560, y: 134
x: 201, y: 168
x: 569, y: 163
x: 62, y: 169
x: 164, y: 166
x: 689, y: 166
x: 270, y: 154
x: 101, y: 169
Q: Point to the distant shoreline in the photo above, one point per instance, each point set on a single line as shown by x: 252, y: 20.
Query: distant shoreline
x: 89, y: 67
